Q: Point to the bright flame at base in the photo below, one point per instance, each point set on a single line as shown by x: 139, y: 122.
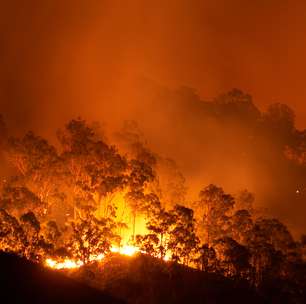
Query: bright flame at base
x: 126, y: 250
x: 71, y: 264
x: 67, y: 264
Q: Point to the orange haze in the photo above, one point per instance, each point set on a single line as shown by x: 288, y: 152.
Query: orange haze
x: 61, y: 59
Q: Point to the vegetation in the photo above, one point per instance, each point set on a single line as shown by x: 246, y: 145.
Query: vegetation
x: 81, y: 198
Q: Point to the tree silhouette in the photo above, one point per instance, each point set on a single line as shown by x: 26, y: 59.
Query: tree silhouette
x: 91, y: 236
x: 233, y: 257
x: 241, y: 226
x: 245, y: 201
x: 160, y: 224
x: 12, y: 237
x: 93, y: 168
x: 149, y: 244
x: 213, y: 210
x: 183, y: 240
x: 273, y: 232
x: 19, y: 200
x: 206, y: 258
x: 36, y: 246
x: 140, y: 175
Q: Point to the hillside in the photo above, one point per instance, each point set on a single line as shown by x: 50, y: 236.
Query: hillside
x: 143, y: 279
x: 121, y: 279
x: 24, y: 282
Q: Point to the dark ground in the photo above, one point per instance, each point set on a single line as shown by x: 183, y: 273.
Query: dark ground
x: 24, y: 282
x: 135, y: 280
x: 145, y: 280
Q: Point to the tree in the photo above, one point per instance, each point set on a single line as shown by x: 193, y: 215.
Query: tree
x: 140, y: 174
x: 91, y: 237
x: 38, y: 166
x: 241, y: 226
x: 183, y: 240
x: 213, y: 210
x: 296, y: 151
x: 94, y: 169
x: 271, y: 246
x: 236, y: 106
x: 273, y: 232
x: 12, y: 237
x: 278, y: 123
x: 148, y: 243
x: 160, y: 224
x: 280, y: 116
x: 265, y: 260
x: 131, y: 141
x: 51, y: 233
x: 31, y: 153
x: 233, y: 257
x: 170, y: 182
x: 245, y: 201
x: 206, y: 258
x: 19, y: 200
x: 170, y: 232
x: 36, y: 246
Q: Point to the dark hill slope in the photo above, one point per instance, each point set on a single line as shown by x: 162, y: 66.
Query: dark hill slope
x: 24, y: 282
x: 143, y: 279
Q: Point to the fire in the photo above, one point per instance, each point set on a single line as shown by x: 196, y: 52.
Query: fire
x: 128, y: 250
x: 66, y: 264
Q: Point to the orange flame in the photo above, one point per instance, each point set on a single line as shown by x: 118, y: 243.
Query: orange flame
x: 71, y: 264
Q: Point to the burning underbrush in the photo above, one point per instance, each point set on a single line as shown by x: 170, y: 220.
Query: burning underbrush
x: 66, y: 263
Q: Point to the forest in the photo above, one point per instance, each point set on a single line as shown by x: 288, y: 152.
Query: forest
x: 87, y: 196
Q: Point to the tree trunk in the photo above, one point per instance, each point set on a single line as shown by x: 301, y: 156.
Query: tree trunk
x: 134, y: 225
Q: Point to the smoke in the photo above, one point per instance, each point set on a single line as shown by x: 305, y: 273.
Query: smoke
x: 229, y: 142
x: 62, y: 59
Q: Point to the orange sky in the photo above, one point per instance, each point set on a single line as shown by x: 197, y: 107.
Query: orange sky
x: 80, y: 54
